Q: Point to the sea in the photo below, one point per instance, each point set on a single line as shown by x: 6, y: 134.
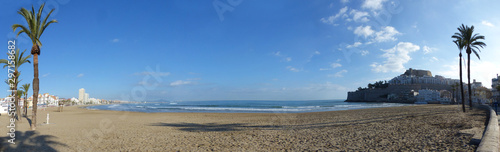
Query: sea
x: 243, y: 106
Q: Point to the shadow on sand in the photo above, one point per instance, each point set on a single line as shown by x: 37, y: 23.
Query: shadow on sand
x: 29, y: 141
x: 208, y: 127
x: 288, y: 123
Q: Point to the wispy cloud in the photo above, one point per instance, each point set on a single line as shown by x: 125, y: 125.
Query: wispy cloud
x: 153, y: 73
x: 364, y: 52
x: 487, y: 23
x: 359, y: 16
x: 332, y: 66
x: 115, y: 40
x: 284, y: 57
x: 80, y: 75
x: 356, y: 44
x: 395, y: 58
x: 45, y: 75
x: 331, y: 19
x: 292, y: 69
x: 338, y: 74
x: 427, y: 49
x: 180, y: 83
x: 433, y: 59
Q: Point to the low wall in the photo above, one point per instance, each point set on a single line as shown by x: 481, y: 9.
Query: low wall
x: 490, y: 140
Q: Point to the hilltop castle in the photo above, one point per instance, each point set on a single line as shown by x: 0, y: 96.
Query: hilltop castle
x: 404, y: 88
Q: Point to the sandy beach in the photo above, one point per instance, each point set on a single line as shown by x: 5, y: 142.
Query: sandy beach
x: 409, y: 128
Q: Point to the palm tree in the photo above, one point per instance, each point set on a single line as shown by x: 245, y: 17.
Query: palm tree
x: 460, y: 46
x: 34, y: 31
x: 19, y: 59
x: 25, y: 88
x: 470, y: 42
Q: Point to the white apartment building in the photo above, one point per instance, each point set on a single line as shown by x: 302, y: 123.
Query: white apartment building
x: 426, y: 95
x: 81, y: 94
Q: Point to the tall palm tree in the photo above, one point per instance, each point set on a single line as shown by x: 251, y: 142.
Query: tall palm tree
x: 34, y: 31
x: 470, y: 42
x: 19, y: 59
x: 460, y: 46
x: 25, y: 88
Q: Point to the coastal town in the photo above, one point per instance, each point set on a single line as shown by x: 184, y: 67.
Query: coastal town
x: 48, y: 100
x: 420, y: 87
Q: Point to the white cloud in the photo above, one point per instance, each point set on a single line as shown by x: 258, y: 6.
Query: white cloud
x: 356, y: 44
x: 364, y: 53
x: 80, y: 75
x: 45, y: 75
x: 427, y: 49
x: 338, y: 74
x: 373, y: 4
x: 480, y: 70
x: 487, y: 23
x: 317, y: 53
x: 292, y: 69
x: 395, y: 58
x: 331, y: 19
x: 335, y: 65
x: 288, y: 59
x: 359, y: 16
x: 180, y: 83
x: 115, y: 40
x: 344, y: 1
x: 364, y: 31
x: 386, y: 34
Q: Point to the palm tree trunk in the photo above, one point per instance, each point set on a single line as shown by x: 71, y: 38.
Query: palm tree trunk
x: 16, y: 98
x: 18, y: 109
x: 35, y: 91
x: 462, y: 83
x: 468, y: 77
x: 25, y: 105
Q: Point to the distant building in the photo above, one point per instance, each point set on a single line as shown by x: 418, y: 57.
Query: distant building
x: 86, y: 98
x: 81, y: 94
x: 494, y: 83
x: 407, y: 87
x: 429, y: 96
x: 44, y: 99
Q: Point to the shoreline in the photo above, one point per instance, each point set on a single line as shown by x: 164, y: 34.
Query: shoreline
x: 383, y: 129
x: 263, y: 110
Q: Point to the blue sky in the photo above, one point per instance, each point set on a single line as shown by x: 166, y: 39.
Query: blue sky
x: 267, y: 50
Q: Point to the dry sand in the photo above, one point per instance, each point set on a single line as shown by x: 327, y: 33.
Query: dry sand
x: 409, y: 128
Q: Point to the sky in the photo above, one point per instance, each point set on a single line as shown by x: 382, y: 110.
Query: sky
x: 247, y: 50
